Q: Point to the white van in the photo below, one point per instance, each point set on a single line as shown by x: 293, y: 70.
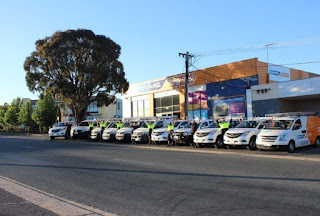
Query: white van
x: 245, y: 134
x: 291, y: 132
x: 161, y: 134
x: 183, y: 135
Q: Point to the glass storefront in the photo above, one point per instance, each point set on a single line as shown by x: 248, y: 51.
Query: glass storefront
x: 168, y: 105
x: 140, y: 107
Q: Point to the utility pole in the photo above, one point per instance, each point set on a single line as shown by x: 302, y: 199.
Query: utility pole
x: 187, y: 57
x: 267, y: 46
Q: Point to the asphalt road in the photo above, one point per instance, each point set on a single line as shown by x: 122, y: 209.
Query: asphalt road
x: 133, y: 180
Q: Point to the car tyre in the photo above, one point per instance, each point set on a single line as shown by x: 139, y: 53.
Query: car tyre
x: 252, y: 144
x: 220, y: 143
x: 52, y: 137
x: 291, y: 147
x: 317, y: 143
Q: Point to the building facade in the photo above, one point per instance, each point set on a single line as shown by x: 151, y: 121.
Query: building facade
x: 290, y: 96
x: 218, y: 91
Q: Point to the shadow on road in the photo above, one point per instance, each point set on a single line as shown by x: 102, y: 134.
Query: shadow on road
x: 162, y: 173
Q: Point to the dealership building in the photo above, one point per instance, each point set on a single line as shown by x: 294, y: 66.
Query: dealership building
x: 236, y: 89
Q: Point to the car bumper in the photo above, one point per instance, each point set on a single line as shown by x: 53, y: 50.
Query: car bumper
x: 159, y: 138
x: 57, y: 134
x: 139, y: 138
x: 237, y: 141
x: 108, y: 137
x: 182, y: 139
x: 206, y: 139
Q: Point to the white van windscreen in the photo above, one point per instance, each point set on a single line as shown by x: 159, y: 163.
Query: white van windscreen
x: 279, y: 124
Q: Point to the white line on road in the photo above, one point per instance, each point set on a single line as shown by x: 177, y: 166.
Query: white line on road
x: 55, y: 204
x: 130, y: 161
x: 19, y: 203
x: 30, y: 147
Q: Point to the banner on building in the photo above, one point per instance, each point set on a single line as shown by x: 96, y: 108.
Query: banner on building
x: 164, y: 84
x: 197, y: 105
x: 229, y: 106
x: 278, y: 73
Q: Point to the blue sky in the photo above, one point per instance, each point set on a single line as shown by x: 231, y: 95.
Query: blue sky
x: 152, y: 33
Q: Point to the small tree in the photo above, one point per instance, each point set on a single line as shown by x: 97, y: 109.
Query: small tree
x: 2, y: 122
x: 11, y: 116
x: 46, y: 112
x: 25, y: 115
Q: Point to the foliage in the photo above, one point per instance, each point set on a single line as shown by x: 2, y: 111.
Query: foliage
x: 25, y: 115
x: 2, y: 114
x: 45, y: 113
x: 11, y: 115
x: 78, y: 66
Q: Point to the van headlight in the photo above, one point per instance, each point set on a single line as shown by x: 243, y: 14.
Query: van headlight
x: 283, y: 137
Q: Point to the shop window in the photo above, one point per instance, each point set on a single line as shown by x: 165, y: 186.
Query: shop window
x: 176, y: 100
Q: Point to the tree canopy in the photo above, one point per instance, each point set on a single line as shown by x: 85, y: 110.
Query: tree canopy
x: 78, y: 66
x: 25, y: 115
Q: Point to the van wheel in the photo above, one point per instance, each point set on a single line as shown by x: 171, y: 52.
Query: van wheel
x: 219, y: 142
x: 291, y: 147
x: 317, y: 143
x: 52, y: 137
x: 198, y: 145
x: 252, y: 144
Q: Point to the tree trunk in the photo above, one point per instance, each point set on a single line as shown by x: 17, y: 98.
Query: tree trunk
x: 79, y: 115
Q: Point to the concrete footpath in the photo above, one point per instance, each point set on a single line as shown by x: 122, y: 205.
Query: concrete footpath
x: 13, y: 205
x: 19, y: 199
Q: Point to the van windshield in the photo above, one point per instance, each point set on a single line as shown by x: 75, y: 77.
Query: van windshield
x: 248, y: 124
x: 279, y: 124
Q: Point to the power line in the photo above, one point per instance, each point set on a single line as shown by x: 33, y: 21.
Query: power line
x: 276, y: 45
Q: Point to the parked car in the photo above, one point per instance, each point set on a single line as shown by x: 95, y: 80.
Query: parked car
x: 211, y: 135
x: 141, y: 134
x: 124, y: 134
x: 109, y: 134
x: 96, y: 132
x: 61, y: 129
x: 291, y: 132
x: 183, y: 136
x: 245, y: 134
x: 161, y: 134
x: 82, y: 130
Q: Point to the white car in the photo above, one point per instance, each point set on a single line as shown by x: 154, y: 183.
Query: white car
x: 96, y: 132
x: 290, y: 132
x: 124, y: 134
x: 211, y: 135
x: 109, y: 134
x: 161, y: 134
x: 82, y: 130
x: 245, y: 134
x: 184, y: 136
x: 61, y: 129
x: 141, y: 134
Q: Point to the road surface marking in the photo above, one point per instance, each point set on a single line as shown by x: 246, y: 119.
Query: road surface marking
x: 30, y: 147
x: 287, y: 157
x: 130, y: 161
x: 19, y: 203
x: 55, y: 204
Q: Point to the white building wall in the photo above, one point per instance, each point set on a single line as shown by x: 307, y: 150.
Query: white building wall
x: 126, y: 107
